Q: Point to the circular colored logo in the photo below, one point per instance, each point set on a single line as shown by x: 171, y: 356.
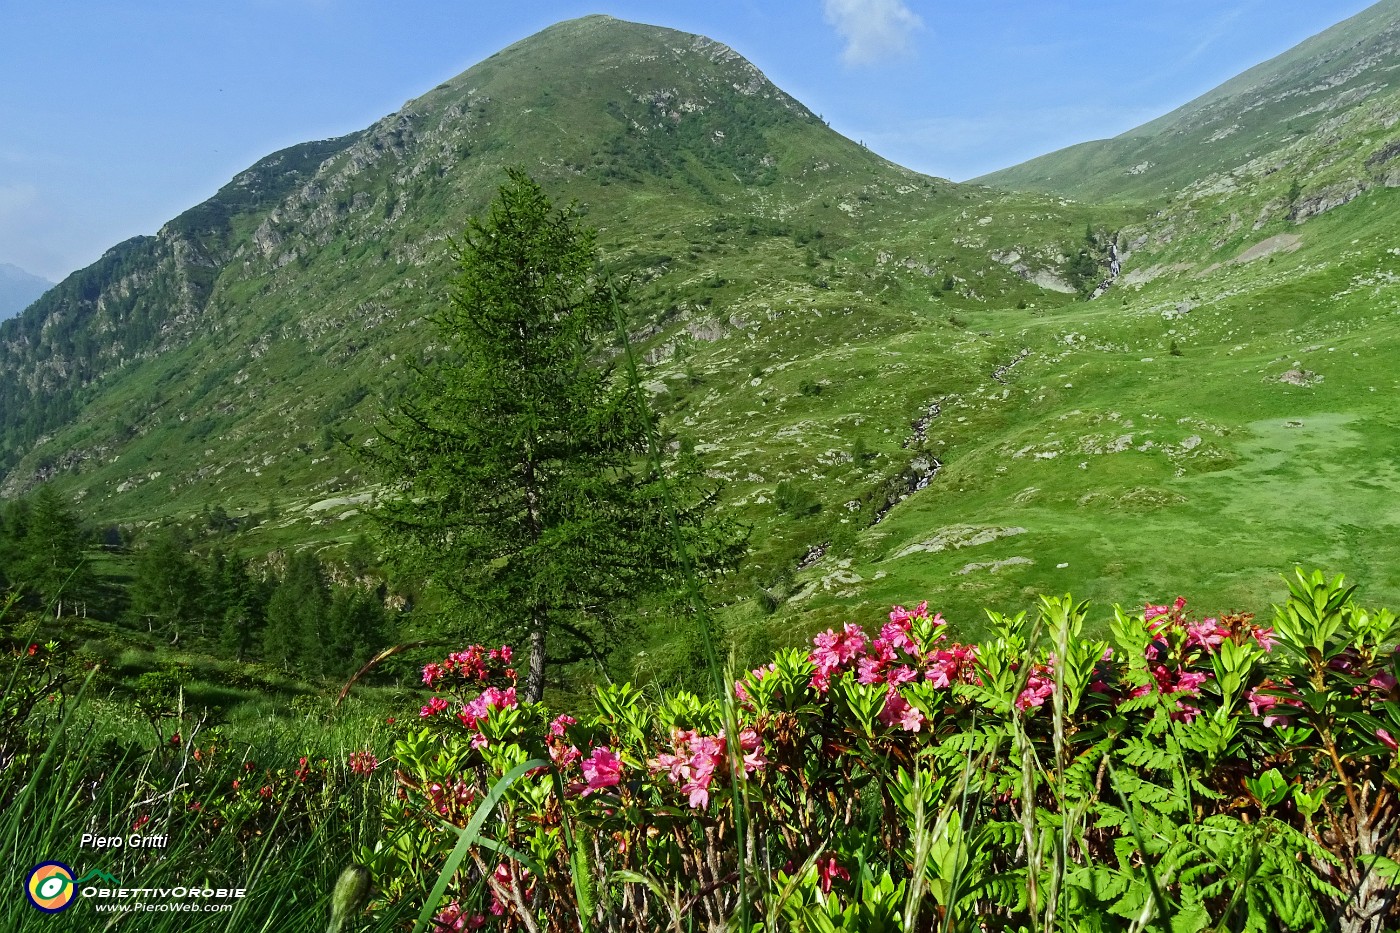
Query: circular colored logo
x: 50, y: 887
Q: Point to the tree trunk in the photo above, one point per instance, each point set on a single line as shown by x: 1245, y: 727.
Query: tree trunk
x: 1368, y: 907
x: 534, y: 679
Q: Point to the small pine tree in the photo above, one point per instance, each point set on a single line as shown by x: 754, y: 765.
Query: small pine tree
x: 54, y: 560
x: 167, y: 590
x: 296, y: 636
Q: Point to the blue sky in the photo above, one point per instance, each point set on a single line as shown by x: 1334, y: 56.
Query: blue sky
x: 115, y: 115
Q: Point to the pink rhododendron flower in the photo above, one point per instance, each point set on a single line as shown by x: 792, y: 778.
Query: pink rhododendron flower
x: 897, y: 635
x: 1265, y: 704
x: 601, y: 769
x: 1207, y: 634
x: 363, y: 762
x: 1189, y: 682
x: 1185, y: 712
x: 502, y: 877
x: 1387, y: 740
x: 563, y: 757
x: 698, y: 793
x: 1040, y: 685
x: 450, y: 918
x: 480, y: 708
x: 754, y: 762
x: 435, y: 706
x: 828, y: 869
x: 832, y: 651
x: 898, y: 712
x: 560, y: 723
x: 674, y: 764
x: 902, y: 674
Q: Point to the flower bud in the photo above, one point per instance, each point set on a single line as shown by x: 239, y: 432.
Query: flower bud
x: 348, y: 898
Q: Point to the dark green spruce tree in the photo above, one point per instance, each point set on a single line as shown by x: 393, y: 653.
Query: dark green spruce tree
x: 167, y: 590
x: 517, y: 463
x: 236, y: 601
x: 295, y: 637
x: 53, y: 554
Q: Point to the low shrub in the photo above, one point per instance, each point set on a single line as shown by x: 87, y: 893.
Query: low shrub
x: 1196, y: 773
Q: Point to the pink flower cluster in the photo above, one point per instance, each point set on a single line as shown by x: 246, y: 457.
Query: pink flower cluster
x: 363, y: 762
x: 892, y: 658
x: 829, y: 870
x: 475, y: 664
x: 1182, y: 682
x: 834, y: 652
x: 601, y: 769
x: 898, y: 712
x: 491, y: 698
x: 1168, y: 625
x: 456, y: 795
x: 501, y: 881
x: 561, y: 752
x: 1040, y: 685
x: 1178, y: 643
x: 453, y: 918
x: 700, y: 757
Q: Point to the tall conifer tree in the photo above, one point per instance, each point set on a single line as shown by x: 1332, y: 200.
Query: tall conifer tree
x: 54, y: 564
x: 517, y: 462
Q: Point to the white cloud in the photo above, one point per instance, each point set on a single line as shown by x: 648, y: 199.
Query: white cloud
x: 873, y: 29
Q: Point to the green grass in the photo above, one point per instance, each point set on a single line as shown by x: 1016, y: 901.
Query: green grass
x: 99, y: 773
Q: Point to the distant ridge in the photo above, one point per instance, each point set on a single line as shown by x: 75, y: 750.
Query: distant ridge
x: 19, y: 289
x: 1343, y: 70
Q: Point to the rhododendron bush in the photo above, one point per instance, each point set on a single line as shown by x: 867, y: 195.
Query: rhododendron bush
x: 1202, y: 772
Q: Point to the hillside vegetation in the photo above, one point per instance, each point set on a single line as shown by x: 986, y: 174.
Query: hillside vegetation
x: 905, y: 384
x: 1154, y: 366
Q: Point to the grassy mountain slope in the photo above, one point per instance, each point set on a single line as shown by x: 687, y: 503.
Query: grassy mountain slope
x: 1339, y: 87
x: 891, y: 373
x: 283, y: 321
x: 1225, y: 408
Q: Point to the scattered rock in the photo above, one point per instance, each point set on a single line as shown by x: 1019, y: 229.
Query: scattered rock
x: 1283, y: 243
x: 999, y: 374
x: 1333, y: 196
x: 814, y: 554
x: 957, y: 537
x: 995, y: 565
x: 1300, y: 377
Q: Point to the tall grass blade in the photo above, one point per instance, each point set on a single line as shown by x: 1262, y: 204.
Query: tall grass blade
x: 469, y: 837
